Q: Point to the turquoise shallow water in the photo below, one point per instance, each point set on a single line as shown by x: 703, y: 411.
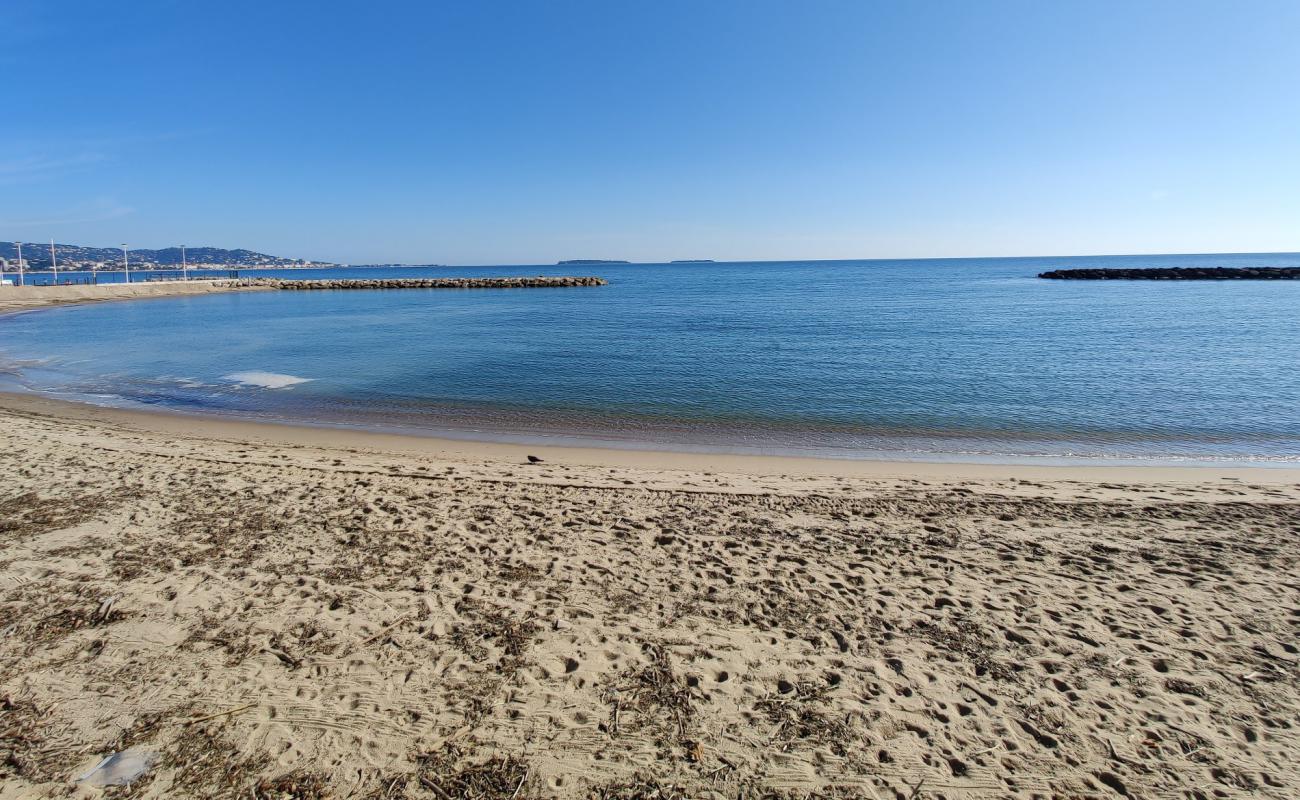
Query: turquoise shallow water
x: 965, y: 358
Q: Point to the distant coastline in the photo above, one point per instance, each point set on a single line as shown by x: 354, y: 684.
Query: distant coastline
x: 590, y: 261
x: 42, y: 256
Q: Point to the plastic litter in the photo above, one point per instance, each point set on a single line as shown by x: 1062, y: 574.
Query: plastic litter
x: 119, y: 769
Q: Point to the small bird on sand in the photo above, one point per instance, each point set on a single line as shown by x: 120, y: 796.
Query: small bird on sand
x: 534, y: 460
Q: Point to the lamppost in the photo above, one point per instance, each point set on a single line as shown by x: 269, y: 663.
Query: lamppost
x: 22, y: 278
x: 54, y: 262
x: 185, y: 270
x: 126, y: 263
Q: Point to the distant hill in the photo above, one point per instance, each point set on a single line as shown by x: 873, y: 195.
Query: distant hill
x: 591, y: 261
x: 75, y: 256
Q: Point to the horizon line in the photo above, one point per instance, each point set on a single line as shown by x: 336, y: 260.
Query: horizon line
x: 669, y: 261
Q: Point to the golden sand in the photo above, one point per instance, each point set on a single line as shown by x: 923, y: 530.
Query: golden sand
x: 291, y: 612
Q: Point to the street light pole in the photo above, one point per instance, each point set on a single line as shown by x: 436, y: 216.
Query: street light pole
x: 54, y: 262
x: 22, y: 277
x: 126, y: 263
x: 185, y: 270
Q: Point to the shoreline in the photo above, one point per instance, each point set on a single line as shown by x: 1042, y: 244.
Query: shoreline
x: 581, y: 448
x: 266, y: 432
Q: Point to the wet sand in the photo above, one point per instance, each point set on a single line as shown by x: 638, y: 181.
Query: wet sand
x: 292, y: 612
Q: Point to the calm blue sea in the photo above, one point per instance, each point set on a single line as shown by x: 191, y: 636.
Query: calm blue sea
x: 939, y: 359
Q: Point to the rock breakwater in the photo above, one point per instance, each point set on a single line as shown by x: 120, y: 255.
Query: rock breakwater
x: 1177, y: 274
x: 535, y: 282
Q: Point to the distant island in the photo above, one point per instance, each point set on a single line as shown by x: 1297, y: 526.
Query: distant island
x: 36, y: 256
x: 591, y: 261
x: 692, y: 261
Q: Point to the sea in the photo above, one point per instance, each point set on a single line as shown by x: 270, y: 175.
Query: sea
x: 972, y: 359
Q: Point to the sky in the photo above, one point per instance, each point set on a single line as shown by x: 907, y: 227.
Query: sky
x: 481, y: 132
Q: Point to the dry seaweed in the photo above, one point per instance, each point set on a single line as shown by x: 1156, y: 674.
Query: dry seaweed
x: 227, y: 529
x: 801, y: 718
x: 448, y: 774
x: 40, y: 614
x: 207, y: 765
x: 294, y: 786
x: 29, y: 514
x: 509, y: 635
x: 653, y: 696
x: 25, y: 747
x: 221, y: 632
x: 961, y: 635
x: 518, y: 571
x: 641, y: 787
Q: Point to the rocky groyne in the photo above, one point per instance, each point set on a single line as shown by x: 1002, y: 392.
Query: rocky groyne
x: 1177, y: 274
x: 535, y: 282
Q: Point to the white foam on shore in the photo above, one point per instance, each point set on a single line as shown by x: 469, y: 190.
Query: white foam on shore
x: 265, y: 380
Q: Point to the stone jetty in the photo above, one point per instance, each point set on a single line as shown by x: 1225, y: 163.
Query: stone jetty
x: 535, y: 282
x: 1177, y: 274
x: 26, y: 298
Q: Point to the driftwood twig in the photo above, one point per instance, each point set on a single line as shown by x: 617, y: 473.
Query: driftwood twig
x: 401, y: 620
x: 221, y: 714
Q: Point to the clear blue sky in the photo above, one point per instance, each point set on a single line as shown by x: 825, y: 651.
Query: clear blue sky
x: 524, y: 132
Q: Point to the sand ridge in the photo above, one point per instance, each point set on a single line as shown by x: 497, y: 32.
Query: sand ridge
x: 310, y: 618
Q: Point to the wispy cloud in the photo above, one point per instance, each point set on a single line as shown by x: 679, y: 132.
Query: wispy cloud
x: 35, y: 168
x: 96, y: 211
x: 35, y: 161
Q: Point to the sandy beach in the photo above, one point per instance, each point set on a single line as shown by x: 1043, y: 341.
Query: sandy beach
x: 650, y: 401
x: 265, y: 611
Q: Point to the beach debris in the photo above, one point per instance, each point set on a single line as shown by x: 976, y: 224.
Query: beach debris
x: 388, y: 629
x: 534, y: 460
x: 205, y: 762
x: 658, y: 697
x: 286, y: 659
x: 447, y: 774
x: 694, y: 752
x: 294, y: 786
x: 221, y: 714
x: 30, y: 514
x: 106, y: 608
x: 1114, y: 754
x: 642, y: 786
x: 120, y: 769
x: 800, y: 711
x: 26, y: 747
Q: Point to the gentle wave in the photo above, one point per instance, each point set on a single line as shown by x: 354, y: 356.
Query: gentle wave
x: 266, y: 380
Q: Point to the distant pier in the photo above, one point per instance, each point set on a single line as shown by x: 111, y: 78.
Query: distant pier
x: 535, y: 282
x: 26, y: 298
x: 1177, y: 274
